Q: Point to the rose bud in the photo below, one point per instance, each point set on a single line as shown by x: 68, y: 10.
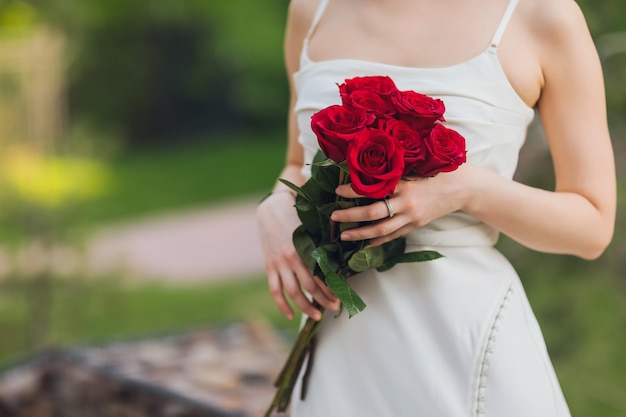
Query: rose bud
x: 410, y: 139
x: 446, y: 151
x: 418, y: 110
x: 381, y: 85
x: 369, y: 102
x: 336, y: 126
x: 376, y: 163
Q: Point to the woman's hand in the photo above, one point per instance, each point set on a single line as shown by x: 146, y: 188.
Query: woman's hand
x: 415, y: 203
x: 287, y: 275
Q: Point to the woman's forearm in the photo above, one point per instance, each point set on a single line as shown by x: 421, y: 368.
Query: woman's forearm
x: 556, y: 222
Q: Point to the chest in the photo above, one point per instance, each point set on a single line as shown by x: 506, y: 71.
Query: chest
x: 425, y: 35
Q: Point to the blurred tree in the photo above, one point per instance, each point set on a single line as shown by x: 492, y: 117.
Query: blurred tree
x: 40, y: 195
x: 161, y: 69
x: 17, y: 16
x: 32, y: 77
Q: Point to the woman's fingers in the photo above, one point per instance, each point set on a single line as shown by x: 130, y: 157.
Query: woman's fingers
x: 370, y: 212
x: 346, y: 191
x: 383, y: 229
x: 333, y: 302
x: 291, y: 282
x: 388, y: 238
x: 293, y: 290
x: 315, y: 287
x: 276, y: 290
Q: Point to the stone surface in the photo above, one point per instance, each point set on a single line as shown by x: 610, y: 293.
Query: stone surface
x: 226, y: 371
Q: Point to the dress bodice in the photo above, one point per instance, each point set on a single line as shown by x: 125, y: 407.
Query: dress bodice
x: 480, y: 102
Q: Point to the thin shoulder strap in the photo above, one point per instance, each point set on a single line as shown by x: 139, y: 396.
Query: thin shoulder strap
x: 317, y: 17
x: 504, y: 23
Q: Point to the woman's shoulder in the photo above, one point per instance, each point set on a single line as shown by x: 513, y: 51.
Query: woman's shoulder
x: 299, y: 20
x: 559, y: 33
x: 553, y: 19
x: 301, y: 12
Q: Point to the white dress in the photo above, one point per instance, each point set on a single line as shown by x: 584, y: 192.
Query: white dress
x: 454, y: 337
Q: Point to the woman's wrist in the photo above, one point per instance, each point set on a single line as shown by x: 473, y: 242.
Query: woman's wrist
x: 280, y: 191
x: 469, y: 181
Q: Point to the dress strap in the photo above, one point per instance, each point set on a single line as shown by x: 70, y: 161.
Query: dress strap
x: 503, y: 23
x: 316, y: 18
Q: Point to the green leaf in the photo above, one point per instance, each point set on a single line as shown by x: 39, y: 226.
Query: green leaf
x: 304, y: 205
x: 367, y: 258
x: 344, y: 167
x: 348, y: 225
x: 420, y: 256
x: 327, y: 162
x: 328, y: 208
x: 327, y: 177
x: 304, y: 246
x: 318, y: 159
x: 337, y: 284
x: 325, y: 171
x: 315, y: 207
x: 332, y: 255
x: 323, y: 163
x: 316, y: 193
x: 349, y: 248
x: 349, y: 298
x: 299, y: 191
x: 394, y: 248
x: 315, y: 222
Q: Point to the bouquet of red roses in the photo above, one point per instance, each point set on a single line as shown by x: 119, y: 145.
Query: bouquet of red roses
x: 376, y: 137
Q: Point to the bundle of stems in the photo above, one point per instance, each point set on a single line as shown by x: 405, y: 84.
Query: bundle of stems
x: 286, y: 380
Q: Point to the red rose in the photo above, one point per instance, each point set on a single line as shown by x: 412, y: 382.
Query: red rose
x: 410, y: 139
x: 446, y: 151
x: 376, y: 163
x: 335, y: 126
x: 369, y: 102
x: 383, y: 86
x: 418, y: 110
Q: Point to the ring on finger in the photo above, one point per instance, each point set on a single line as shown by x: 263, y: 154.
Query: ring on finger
x: 389, y: 208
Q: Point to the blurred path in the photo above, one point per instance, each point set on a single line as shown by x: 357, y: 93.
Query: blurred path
x: 218, y: 242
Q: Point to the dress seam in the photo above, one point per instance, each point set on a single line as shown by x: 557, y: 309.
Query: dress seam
x: 487, y: 354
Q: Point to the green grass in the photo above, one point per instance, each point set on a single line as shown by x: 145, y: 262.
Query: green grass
x: 192, y: 174
x: 169, y: 178
x: 104, y: 310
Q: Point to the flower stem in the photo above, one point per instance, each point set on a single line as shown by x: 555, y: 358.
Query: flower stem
x: 286, y: 380
x: 343, y: 179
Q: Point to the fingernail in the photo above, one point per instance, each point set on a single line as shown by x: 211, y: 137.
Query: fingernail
x: 333, y: 217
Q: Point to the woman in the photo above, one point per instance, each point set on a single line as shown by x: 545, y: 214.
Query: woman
x: 455, y: 336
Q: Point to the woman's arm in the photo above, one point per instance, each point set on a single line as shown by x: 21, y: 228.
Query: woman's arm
x: 276, y: 215
x: 578, y: 216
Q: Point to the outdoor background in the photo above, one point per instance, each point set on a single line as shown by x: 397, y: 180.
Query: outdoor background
x: 122, y: 122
